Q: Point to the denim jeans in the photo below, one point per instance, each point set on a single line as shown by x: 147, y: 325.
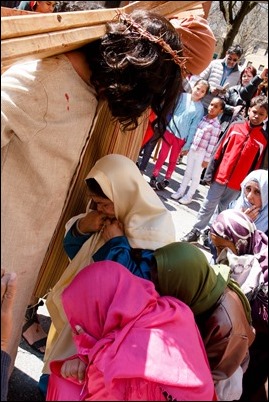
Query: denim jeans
x: 218, y: 196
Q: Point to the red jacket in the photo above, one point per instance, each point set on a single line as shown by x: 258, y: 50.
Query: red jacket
x: 240, y: 151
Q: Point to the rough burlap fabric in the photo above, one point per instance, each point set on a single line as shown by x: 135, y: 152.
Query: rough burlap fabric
x: 198, y: 42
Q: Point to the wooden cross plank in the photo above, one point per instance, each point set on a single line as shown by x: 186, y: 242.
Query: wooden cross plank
x: 37, y: 35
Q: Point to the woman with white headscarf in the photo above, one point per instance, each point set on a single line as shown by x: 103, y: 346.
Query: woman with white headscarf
x: 147, y: 225
x: 253, y: 199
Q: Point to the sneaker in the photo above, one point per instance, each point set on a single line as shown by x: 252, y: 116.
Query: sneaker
x: 162, y: 184
x: 204, y: 183
x: 153, y: 182
x: 185, y: 200
x: 177, y: 195
x: 205, y: 239
x: 192, y: 237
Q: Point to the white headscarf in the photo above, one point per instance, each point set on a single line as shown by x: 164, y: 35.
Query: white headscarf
x: 147, y: 223
x: 261, y: 177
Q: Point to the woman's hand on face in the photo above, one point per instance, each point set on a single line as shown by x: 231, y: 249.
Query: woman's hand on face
x: 112, y: 229
x: 252, y: 212
x: 92, y: 222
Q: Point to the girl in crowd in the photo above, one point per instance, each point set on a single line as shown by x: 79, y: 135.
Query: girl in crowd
x: 132, y: 344
x: 204, y: 141
x: 180, y: 131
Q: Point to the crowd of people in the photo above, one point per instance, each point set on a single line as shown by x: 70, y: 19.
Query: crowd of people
x: 137, y: 315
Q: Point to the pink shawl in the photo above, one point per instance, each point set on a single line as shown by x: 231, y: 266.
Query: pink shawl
x: 137, y: 343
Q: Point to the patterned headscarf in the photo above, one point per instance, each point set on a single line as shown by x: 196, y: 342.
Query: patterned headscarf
x: 239, y: 228
x: 184, y: 272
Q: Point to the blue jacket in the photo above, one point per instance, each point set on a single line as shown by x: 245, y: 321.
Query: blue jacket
x: 117, y: 249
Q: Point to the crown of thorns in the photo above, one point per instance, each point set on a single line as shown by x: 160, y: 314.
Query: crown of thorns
x: 127, y: 20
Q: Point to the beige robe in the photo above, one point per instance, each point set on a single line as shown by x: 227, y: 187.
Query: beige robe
x: 147, y: 224
x: 47, y: 113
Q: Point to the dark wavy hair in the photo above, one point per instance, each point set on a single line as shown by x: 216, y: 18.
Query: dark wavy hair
x: 235, y: 49
x: 261, y: 101
x: 133, y: 73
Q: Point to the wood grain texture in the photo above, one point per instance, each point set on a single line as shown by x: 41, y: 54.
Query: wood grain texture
x: 31, y: 35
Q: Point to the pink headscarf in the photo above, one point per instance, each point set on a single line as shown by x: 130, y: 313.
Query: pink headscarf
x: 135, y: 337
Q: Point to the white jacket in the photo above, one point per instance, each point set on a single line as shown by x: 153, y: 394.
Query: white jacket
x: 213, y: 74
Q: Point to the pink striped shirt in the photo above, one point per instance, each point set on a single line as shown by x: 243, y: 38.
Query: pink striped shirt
x: 206, y: 136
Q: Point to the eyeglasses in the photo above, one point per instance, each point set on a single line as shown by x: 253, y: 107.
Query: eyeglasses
x: 231, y: 59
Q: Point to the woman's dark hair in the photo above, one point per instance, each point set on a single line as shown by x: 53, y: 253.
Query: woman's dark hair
x: 261, y: 101
x: 94, y: 188
x: 134, y: 73
x: 235, y: 49
x: 221, y: 101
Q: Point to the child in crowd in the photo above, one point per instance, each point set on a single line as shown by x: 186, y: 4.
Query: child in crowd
x: 204, y: 141
x: 180, y: 132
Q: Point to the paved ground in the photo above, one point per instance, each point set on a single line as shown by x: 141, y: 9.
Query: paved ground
x: 28, y: 365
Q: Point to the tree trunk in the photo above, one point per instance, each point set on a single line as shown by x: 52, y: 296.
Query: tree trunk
x: 112, y: 4
x: 234, y: 21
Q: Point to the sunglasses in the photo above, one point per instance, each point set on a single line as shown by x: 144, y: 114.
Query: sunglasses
x: 231, y: 59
